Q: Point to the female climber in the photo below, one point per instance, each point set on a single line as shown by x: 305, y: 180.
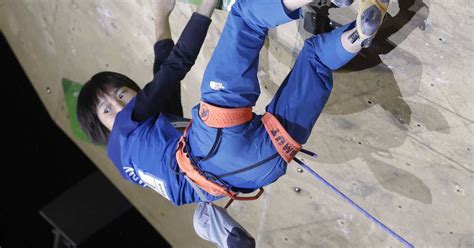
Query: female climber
x: 226, y: 149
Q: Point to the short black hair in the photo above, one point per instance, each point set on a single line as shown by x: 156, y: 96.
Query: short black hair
x: 89, y: 97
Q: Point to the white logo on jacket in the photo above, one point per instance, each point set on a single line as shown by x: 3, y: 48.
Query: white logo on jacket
x: 131, y: 174
x: 216, y: 85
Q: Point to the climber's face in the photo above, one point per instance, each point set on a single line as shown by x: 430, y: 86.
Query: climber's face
x: 112, y: 103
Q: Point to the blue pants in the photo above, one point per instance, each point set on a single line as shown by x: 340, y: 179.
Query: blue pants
x: 230, y: 80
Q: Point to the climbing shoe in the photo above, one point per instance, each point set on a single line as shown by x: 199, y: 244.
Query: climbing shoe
x: 369, y: 19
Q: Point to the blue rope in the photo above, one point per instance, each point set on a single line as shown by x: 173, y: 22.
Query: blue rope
x: 372, y: 218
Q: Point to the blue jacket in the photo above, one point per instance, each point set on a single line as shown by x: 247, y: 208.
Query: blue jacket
x: 145, y: 154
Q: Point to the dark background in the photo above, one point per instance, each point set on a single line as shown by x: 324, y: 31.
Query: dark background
x: 38, y: 163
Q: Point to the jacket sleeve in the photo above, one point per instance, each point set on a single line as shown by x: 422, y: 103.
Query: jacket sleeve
x: 162, y: 90
x: 162, y: 51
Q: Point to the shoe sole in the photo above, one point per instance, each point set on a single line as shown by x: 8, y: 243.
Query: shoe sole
x: 370, y: 17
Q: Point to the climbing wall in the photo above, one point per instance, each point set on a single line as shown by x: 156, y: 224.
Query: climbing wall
x: 396, y: 135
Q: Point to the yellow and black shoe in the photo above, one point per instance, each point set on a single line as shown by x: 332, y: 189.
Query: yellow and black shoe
x: 369, y: 19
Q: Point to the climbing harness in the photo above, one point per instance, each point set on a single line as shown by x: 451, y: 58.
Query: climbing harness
x: 205, y: 180
x: 220, y: 118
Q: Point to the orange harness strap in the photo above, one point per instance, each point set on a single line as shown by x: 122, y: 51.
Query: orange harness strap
x: 286, y: 146
x: 218, y: 117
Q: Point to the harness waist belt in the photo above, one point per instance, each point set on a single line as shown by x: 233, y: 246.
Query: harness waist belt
x: 218, y: 117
